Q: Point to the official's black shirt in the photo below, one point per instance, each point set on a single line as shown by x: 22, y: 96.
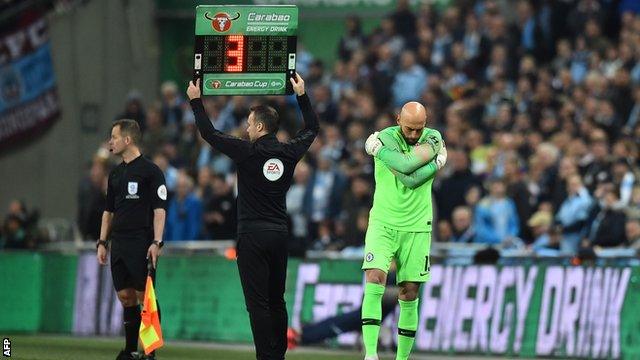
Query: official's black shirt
x: 134, y: 190
x: 265, y: 168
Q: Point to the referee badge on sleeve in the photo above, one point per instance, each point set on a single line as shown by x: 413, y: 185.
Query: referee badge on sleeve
x: 162, y: 192
x: 369, y: 257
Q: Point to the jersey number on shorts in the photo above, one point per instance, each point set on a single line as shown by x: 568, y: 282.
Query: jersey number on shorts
x: 427, y: 266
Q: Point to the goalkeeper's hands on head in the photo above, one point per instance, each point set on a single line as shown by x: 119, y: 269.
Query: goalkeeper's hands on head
x: 373, y: 145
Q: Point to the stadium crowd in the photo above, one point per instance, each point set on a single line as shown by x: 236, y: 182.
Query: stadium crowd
x: 539, y: 106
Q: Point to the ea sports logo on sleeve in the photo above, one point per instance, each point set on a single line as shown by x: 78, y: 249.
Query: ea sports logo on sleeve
x: 273, y: 169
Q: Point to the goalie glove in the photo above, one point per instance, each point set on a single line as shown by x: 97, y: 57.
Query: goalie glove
x: 441, y: 156
x: 373, y: 145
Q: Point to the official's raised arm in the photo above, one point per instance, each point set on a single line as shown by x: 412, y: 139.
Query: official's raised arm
x: 303, y: 138
x: 233, y: 147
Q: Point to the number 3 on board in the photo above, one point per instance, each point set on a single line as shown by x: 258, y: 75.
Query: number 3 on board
x: 234, y: 53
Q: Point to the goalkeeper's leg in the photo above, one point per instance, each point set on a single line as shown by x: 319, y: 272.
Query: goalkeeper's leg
x: 408, y: 320
x: 379, y: 248
x: 372, y: 310
x: 413, y: 270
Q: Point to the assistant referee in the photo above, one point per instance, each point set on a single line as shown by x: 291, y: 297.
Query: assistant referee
x: 265, y: 169
x: 133, y: 221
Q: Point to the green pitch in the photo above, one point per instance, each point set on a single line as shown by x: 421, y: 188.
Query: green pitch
x: 40, y: 347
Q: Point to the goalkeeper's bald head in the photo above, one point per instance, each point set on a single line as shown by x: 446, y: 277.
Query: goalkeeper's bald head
x: 413, y: 112
x: 412, y: 120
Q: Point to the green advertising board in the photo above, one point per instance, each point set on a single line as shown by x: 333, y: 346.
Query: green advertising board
x: 524, y: 311
x: 245, y: 50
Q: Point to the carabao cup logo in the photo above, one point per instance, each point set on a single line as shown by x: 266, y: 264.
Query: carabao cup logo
x: 221, y: 22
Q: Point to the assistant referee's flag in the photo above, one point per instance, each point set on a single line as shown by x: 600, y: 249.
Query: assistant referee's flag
x: 150, y: 332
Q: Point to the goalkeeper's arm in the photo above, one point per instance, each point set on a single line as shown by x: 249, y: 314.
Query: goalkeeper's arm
x: 424, y: 173
x: 404, y: 163
x: 418, y: 177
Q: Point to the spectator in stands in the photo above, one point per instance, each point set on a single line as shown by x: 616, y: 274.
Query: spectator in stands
x: 220, y: 211
x: 518, y: 191
x: 633, y: 209
x: 410, y: 81
x: 134, y: 109
x: 540, y: 225
x: 496, y: 217
x: 632, y: 231
x: 573, y: 214
x: 339, y: 85
x: 487, y: 256
x: 14, y: 234
x: 441, y: 45
x: 325, y: 107
x: 566, y: 168
x: 473, y: 196
x: 172, y: 108
x: 19, y: 209
x: 623, y: 180
x: 597, y: 169
x: 352, y: 40
x: 445, y: 233
x: 563, y: 55
x: 323, y: 199
x: 187, y: 146
x: 499, y: 67
x: 221, y: 113
x: 156, y: 134
x: 334, y: 145
x: 584, y: 10
x: 548, y: 156
x: 404, y: 19
x: 549, y: 243
x: 463, y: 230
x: 475, y: 44
x: 531, y: 41
x: 208, y: 157
x: 634, y: 115
x: 91, y: 201
x: 19, y: 229
x: 451, y: 193
x: 608, y: 225
x: 204, y: 188
x: 170, y: 172
x: 317, y: 74
x: 295, y: 209
x: 593, y: 35
x: 184, y: 214
x: 357, y: 200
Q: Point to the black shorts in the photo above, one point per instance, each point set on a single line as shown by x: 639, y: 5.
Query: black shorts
x: 129, y: 263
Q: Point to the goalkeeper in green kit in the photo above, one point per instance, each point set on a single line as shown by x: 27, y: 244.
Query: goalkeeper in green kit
x: 407, y: 158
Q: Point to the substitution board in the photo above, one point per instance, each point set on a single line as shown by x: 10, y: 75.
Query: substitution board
x: 245, y: 50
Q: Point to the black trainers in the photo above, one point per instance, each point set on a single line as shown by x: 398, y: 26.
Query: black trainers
x: 128, y: 356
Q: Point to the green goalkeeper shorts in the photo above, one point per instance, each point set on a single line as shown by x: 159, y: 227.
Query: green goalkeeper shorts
x: 410, y: 249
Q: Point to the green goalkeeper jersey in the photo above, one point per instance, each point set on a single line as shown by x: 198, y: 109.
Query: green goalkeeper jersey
x: 402, y: 198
